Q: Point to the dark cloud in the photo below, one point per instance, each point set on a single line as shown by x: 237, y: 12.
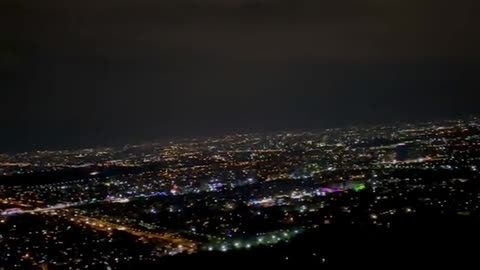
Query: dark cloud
x: 342, y: 29
x: 98, y: 72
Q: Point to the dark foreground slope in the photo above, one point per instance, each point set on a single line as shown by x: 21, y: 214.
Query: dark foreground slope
x: 416, y: 240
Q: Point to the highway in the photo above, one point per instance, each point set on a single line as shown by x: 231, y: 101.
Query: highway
x: 175, y: 243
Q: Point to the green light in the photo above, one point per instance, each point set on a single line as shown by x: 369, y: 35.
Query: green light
x: 359, y: 187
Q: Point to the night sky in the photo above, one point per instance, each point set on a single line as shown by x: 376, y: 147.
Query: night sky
x: 105, y: 72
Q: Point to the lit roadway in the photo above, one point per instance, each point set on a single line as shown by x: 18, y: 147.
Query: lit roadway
x: 26, y: 209
x: 19, y: 211
x: 177, y: 244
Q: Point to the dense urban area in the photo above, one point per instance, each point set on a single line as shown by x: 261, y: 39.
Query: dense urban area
x: 360, y: 195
